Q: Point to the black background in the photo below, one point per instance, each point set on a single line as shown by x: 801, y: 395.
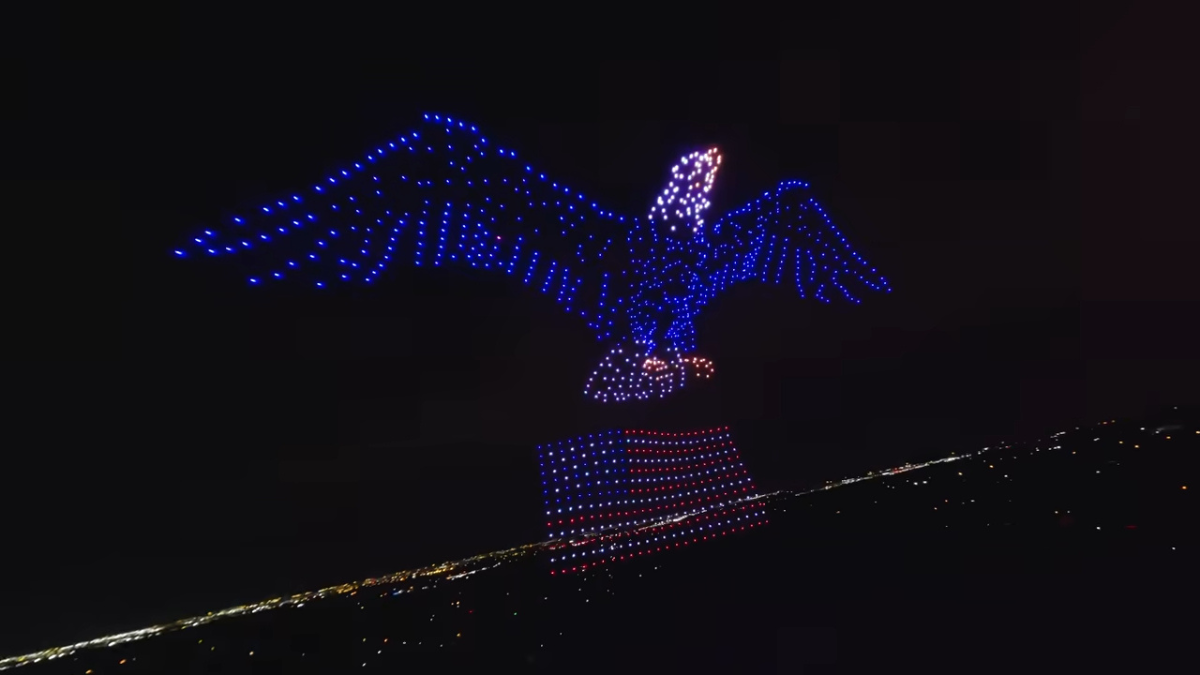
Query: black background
x: 1022, y: 176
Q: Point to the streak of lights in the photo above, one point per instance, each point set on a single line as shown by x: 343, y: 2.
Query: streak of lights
x: 453, y: 570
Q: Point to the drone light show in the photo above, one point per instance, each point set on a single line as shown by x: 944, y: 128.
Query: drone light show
x: 624, y: 493
x: 443, y: 195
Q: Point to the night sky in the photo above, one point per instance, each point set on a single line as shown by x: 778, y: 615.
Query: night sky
x: 180, y: 440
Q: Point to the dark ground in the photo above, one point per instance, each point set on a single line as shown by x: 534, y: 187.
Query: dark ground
x: 1044, y: 560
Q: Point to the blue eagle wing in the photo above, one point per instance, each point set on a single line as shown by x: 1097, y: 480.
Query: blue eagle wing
x: 786, y: 237
x: 440, y: 195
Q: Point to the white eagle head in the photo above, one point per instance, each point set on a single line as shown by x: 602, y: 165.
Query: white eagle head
x: 679, y: 209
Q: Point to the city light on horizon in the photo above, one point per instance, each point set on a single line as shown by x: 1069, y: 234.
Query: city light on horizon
x: 460, y: 569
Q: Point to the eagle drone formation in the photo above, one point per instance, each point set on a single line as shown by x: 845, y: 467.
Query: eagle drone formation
x: 442, y: 195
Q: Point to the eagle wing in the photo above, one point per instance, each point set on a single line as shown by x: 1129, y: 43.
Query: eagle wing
x: 785, y: 237
x: 440, y: 195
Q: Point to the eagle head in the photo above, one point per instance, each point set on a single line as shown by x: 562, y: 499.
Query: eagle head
x: 680, y: 207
